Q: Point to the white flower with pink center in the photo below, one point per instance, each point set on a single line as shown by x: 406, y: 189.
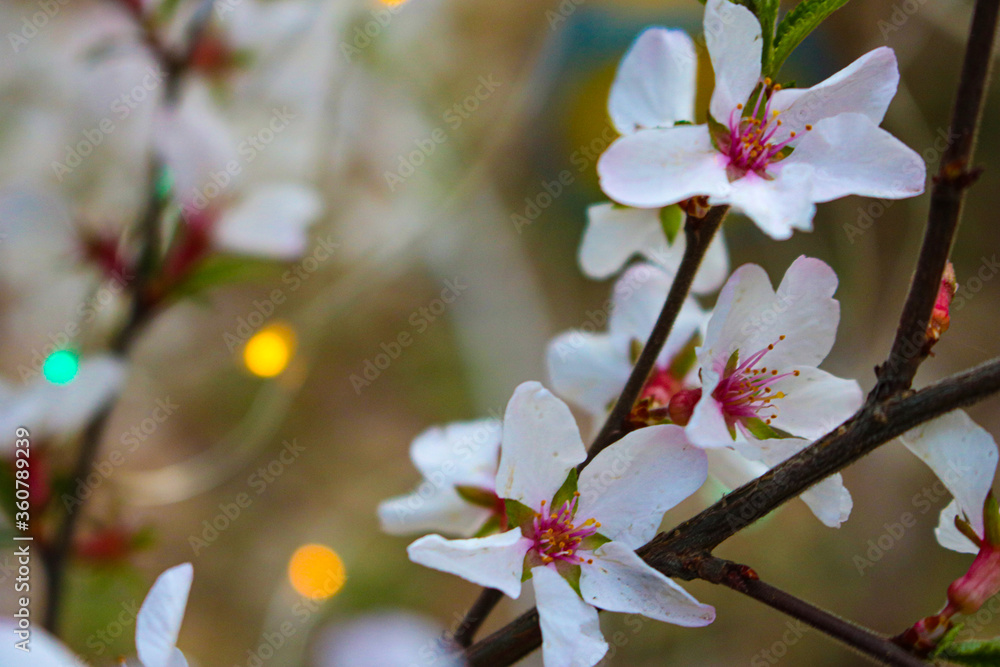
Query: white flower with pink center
x: 772, y: 153
x: 654, y: 87
x: 576, y: 538
x: 759, y: 360
x: 457, y: 494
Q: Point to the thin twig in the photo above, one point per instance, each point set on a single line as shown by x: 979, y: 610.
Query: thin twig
x: 671, y: 553
x: 954, y: 177
x: 744, y: 580
x: 476, y: 616
x: 57, y: 554
x: 699, y: 233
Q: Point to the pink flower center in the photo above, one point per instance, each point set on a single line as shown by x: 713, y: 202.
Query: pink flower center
x: 557, y: 537
x: 745, y: 392
x: 750, y: 137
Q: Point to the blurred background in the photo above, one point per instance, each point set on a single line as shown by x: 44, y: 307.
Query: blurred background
x: 431, y: 130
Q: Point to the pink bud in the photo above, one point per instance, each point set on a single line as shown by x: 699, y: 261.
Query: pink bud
x: 940, y: 316
x: 682, y: 405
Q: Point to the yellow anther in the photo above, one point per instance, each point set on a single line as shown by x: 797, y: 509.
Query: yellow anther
x: 796, y: 373
x: 808, y: 127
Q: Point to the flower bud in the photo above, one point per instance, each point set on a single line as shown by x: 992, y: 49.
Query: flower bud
x: 682, y: 405
x: 940, y: 315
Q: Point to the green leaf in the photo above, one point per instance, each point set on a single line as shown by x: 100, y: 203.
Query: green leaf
x: 477, y: 496
x: 566, y: 491
x: 571, y: 573
x: 593, y: 542
x: 671, y: 219
x: 734, y: 361
x: 797, y: 25
x: 760, y: 429
x: 686, y: 359
x: 767, y: 14
x: 491, y: 526
x: 948, y: 639
x: 977, y: 653
x: 225, y: 269
x: 518, y: 514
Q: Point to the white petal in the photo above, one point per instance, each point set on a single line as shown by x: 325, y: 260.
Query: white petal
x: 829, y: 500
x: 815, y: 402
x: 654, y: 168
x: 749, y: 316
x: 951, y: 537
x: 495, y: 561
x: 619, y: 580
x: 733, y: 37
x: 964, y: 457
x: 571, y: 631
x: 272, y: 222
x: 541, y: 444
x: 459, y: 453
x: 866, y: 86
x: 588, y: 370
x: 707, y: 427
x: 160, y: 617
x: 629, y: 486
x: 614, y: 234
x: 731, y: 468
x: 655, y: 84
x: 46, y: 650
x: 431, y: 509
x: 778, y: 205
x: 851, y: 155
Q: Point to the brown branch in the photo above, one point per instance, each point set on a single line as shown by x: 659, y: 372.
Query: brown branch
x: 954, y: 177
x: 742, y: 579
x: 476, y: 616
x: 676, y: 552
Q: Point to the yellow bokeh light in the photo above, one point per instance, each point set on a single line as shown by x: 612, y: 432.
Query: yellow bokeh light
x: 268, y: 351
x: 316, y: 572
x: 392, y: 3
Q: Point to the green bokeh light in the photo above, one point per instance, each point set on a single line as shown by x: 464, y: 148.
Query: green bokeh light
x: 61, y: 367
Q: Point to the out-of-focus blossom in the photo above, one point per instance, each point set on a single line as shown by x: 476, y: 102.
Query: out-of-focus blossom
x: 457, y: 495
x: 386, y: 639
x: 773, y: 153
x: 578, y: 545
x: 51, y: 410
